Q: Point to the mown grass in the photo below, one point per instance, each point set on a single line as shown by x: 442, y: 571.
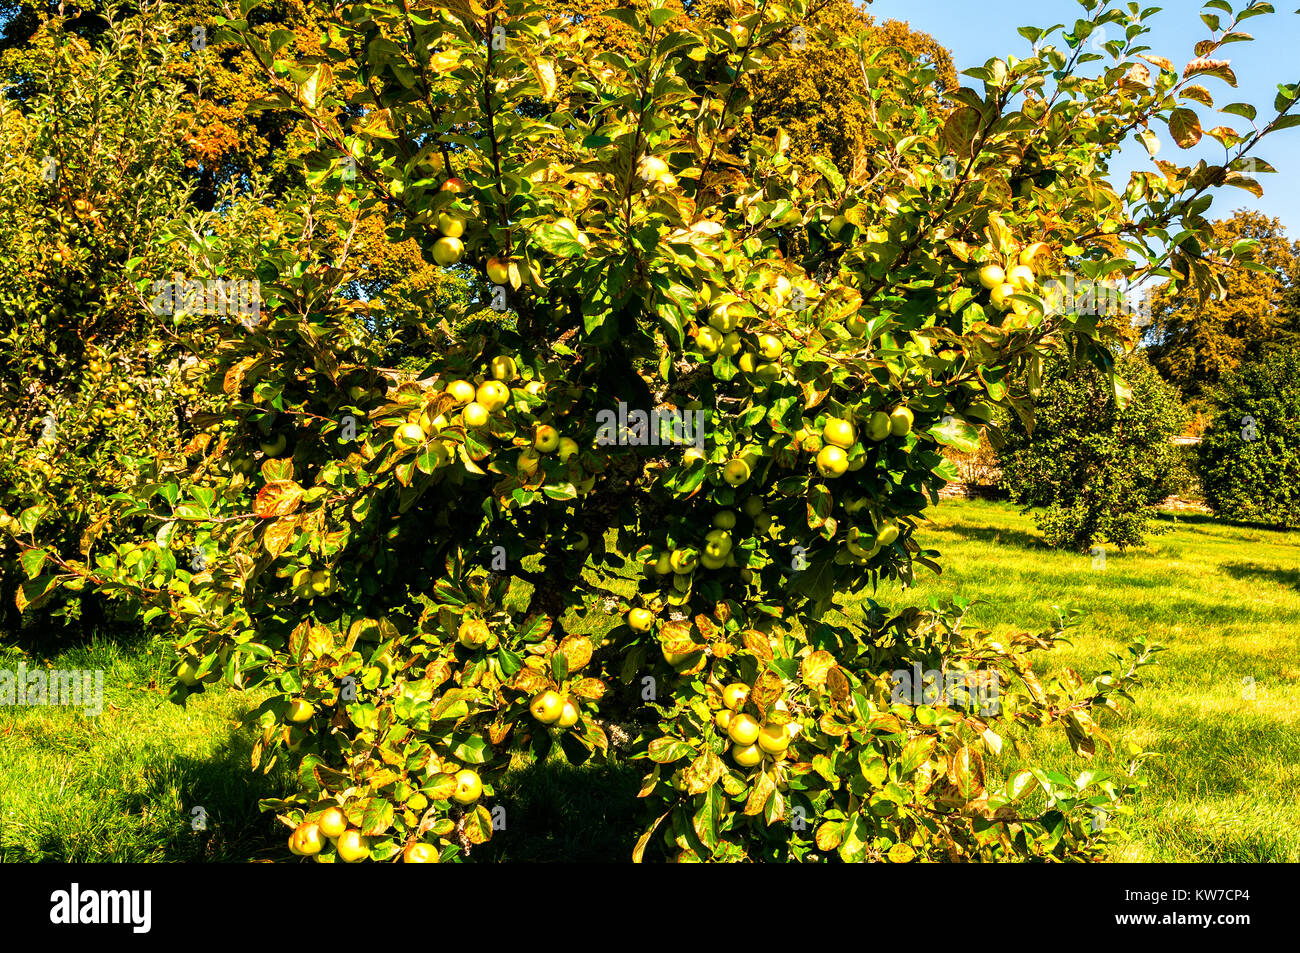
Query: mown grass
x: 1222, y: 707
x: 1225, y: 785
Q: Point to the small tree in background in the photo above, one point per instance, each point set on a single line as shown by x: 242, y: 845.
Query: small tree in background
x: 1250, y: 457
x: 1095, y: 467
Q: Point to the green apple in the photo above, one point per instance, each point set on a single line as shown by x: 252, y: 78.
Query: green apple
x: 743, y: 730
x: 352, y: 847
x: 832, y: 462
x: 838, y: 432
x: 708, y: 340
x: 724, y: 519
x: 722, y: 719
x: 475, y: 415
x: 504, y: 368
x: 752, y: 506
x: 683, y: 561
x: 568, y: 715
x: 333, y: 822
x: 878, y: 426
x: 452, y: 223
x: 640, y: 620
x: 546, y: 439
x: 498, y: 271
x: 300, y: 711
x: 567, y: 448
x: 1021, y: 277
x: 747, y: 756
x: 273, y: 448
x: 773, y: 739
x: 547, y: 706
x: 468, y: 787
x: 472, y: 633
x: 736, y: 471
x: 731, y: 344
x: 1000, y: 297
x: 723, y: 318
x: 462, y: 391
x: 770, y: 346
x: 991, y: 276
x: 735, y: 695
x: 713, y: 562
x: 887, y: 534
x: 419, y: 853
x: 408, y: 436
x: 663, y: 565
x: 308, y: 839
x: 900, y: 421
x: 188, y: 672
x: 448, y: 251
x: 493, y: 395
x: 528, y: 462
x: 717, y: 543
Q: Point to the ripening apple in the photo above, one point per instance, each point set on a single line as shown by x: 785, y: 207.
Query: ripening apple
x: 832, y: 461
x: 887, y: 534
x: 472, y: 633
x: 838, y: 432
x: 322, y: 582
x: 736, y: 471
x: 1000, y: 297
x: 1021, y: 277
x: 640, y: 620
x: 308, y: 839
x: 504, y: 368
x: 546, y: 439
x: 568, y: 715
x: 547, y: 706
x: 333, y: 822
x: 475, y: 415
x: 748, y: 362
x: 300, y: 711
x: 717, y: 543
x: 856, y: 325
x: 770, y: 346
x: 468, y: 787
x: 493, y: 395
x: 664, y: 564
x: 722, y: 719
x: 567, y: 448
x: 462, y: 391
x: 655, y: 169
x: 735, y: 695
x: 773, y: 739
x: 731, y: 344
x: 900, y: 421
x: 419, y: 853
x: 714, y: 562
x: 836, y: 226
x: 498, y: 270
x: 743, y: 730
x: 352, y: 847
x: 452, y: 223
x: 747, y: 756
x: 408, y: 436
x: 528, y: 463
x: 724, y: 519
x: 991, y: 276
x: 1028, y: 255
x: 454, y: 185
x: 448, y: 251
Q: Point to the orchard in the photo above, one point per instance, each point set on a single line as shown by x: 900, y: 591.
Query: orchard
x: 421, y: 564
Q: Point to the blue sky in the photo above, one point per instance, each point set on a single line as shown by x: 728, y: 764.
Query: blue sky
x: 976, y: 30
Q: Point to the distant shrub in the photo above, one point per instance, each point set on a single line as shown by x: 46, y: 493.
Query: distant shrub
x: 1097, y: 470
x: 1250, y: 457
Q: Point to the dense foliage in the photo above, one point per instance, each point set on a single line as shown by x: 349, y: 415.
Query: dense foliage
x: 421, y: 562
x: 1096, y: 468
x: 1250, y: 455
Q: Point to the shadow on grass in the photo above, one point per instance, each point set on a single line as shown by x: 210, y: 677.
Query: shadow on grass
x: 1282, y: 577
x: 558, y: 812
x: 1209, y: 519
x: 995, y: 535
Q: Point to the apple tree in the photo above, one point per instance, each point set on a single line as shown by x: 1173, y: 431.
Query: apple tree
x: 618, y: 524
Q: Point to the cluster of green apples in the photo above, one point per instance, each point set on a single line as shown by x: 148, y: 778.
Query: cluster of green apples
x: 752, y: 741
x: 1015, y: 276
x: 716, y: 551
x: 308, y: 584
x: 552, y: 708
x: 452, y: 221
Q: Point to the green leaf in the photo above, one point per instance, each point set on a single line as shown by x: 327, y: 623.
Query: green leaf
x: 827, y: 168
x: 956, y: 433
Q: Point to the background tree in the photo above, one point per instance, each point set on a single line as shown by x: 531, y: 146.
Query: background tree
x: 1096, y: 468
x: 1194, y: 343
x: 1250, y: 455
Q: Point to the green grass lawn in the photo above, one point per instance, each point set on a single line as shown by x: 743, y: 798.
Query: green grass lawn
x: 1223, y: 599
